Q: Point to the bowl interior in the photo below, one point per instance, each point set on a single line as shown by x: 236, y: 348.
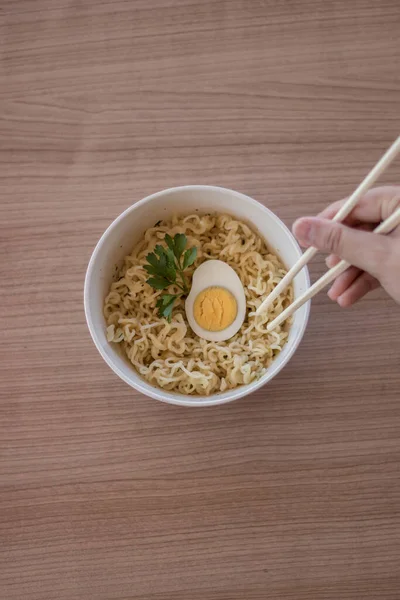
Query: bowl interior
x: 124, y: 233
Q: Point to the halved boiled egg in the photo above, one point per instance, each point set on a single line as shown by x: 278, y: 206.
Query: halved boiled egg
x: 216, y: 305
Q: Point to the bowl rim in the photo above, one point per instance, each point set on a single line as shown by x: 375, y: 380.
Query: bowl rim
x: 140, y: 384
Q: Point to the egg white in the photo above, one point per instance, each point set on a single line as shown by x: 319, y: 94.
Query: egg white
x: 216, y: 273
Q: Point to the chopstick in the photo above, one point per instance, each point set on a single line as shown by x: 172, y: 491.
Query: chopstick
x: 385, y: 227
x: 345, y: 210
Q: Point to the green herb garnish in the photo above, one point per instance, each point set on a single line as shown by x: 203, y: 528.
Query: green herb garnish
x: 166, y: 267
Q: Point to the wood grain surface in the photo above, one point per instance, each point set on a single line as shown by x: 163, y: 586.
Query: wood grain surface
x: 290, y: 494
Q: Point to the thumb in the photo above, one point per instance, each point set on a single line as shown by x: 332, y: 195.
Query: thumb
x: 365, y: 250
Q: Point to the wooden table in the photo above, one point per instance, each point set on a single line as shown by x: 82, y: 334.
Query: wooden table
x: 292, y: 493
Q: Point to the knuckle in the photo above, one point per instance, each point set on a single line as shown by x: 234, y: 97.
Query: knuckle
x: 384, y: 259
x: 334, y: 239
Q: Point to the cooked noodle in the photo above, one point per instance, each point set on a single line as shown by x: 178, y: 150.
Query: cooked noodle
x: 170, y: 355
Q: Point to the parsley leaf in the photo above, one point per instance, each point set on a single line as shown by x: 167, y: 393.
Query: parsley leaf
x: 159, y: 282
x: 170, y: 242
x: 166, y: 268
x: 165, y: 305
x: 189, y: 257
x: 180, y: 243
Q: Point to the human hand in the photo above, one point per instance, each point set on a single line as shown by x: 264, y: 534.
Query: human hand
x: 376, y: 258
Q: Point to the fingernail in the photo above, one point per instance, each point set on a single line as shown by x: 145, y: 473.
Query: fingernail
x: 330, y: 262
x: 302, y: 230
x: 332, y: 296
x: 343, y: 303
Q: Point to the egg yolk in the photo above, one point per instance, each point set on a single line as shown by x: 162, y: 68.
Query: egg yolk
x: 215, y: 308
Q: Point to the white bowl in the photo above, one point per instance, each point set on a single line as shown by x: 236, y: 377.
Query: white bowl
x: 118, y: 241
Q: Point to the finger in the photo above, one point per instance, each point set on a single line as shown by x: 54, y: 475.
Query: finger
x: 360, y: 287
x: 330, y: 211
x: 367, y: 251
x: 343, y: 282
x: 375, y: 206
x: 332, y: 260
